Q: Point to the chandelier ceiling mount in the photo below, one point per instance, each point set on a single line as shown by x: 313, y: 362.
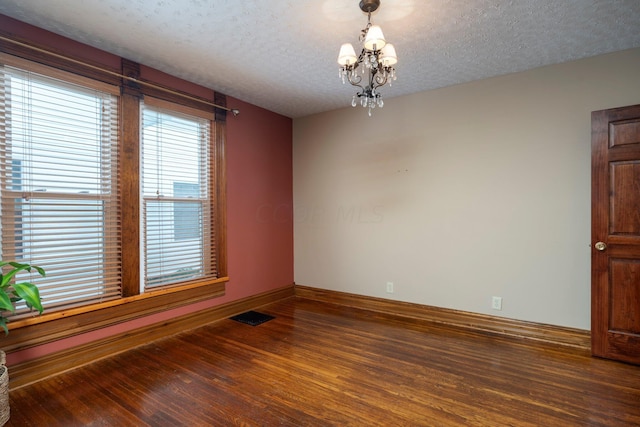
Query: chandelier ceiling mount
x: 369, y: 6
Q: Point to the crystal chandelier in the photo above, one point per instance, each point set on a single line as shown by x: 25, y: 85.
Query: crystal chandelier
x: 376, y: 61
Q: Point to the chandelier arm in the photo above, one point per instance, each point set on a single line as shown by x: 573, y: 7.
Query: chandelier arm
x: 381, y: 79
x: 353, y: 78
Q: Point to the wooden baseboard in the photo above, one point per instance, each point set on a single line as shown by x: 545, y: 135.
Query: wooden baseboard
x: 43, y: 367
x: 577, y: 339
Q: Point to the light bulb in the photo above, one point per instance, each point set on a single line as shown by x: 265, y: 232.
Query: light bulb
x: 388, y: 55
x: 374, y: 39
x: 347, y: 55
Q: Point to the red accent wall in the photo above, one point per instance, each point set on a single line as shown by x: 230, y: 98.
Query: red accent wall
x: 259, y: 196
x: 259, y: 199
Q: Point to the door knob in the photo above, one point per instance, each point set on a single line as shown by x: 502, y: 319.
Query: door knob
x: 601, y: 246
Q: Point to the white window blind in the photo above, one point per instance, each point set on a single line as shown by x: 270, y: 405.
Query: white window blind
x: 58, y: 184
x: 176, y: 194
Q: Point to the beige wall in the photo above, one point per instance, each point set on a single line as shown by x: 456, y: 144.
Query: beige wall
x: 460, y: 194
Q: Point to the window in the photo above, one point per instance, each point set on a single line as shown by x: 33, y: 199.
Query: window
x: 116, y: 244
x: 58, y: 183
x: 176, y: 194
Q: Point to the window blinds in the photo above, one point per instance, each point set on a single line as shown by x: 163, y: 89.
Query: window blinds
x: 176, y: 194
x: 58, y: 183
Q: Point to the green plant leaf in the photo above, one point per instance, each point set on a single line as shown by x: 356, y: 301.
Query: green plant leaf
x: 29, y: 292
x: 5, y: 302
x: 12, y: 292
x: 16, y: 268
x: 40, y: 270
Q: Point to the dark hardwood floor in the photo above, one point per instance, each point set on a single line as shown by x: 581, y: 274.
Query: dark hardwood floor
x: 317, y: 364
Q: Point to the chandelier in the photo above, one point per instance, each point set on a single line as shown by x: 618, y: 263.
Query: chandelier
x: 375, y: 62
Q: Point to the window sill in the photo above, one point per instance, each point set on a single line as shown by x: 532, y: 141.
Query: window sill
x: 38, y: 330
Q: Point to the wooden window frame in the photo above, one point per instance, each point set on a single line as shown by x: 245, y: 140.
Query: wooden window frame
x: 37, y: 330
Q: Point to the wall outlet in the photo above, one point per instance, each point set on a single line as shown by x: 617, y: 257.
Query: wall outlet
x: 389, y: 287
x: 496, y: 303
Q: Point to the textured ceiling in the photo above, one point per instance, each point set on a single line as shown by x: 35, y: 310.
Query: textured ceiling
x: 281, y: 54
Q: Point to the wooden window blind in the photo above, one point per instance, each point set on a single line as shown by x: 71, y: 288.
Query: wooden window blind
x: 59, y: 182
x: 177, y: 194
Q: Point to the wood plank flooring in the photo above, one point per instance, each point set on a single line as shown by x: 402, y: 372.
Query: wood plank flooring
x: 317, y: 364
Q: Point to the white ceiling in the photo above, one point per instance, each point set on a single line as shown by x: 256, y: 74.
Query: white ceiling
x: 281, y: 54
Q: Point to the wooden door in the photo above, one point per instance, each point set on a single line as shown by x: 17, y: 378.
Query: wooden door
x: 615, y: 234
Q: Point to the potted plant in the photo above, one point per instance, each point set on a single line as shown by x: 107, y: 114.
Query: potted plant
x: 12, y: 291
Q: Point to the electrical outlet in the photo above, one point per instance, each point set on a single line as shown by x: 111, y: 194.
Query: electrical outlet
x: 389, y: 287
x: 496, y: 303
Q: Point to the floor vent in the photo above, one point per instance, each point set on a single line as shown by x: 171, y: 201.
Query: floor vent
x: 252, y: 318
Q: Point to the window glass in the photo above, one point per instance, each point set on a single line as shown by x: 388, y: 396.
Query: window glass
x: 176, y: 196
x: 58, y: 183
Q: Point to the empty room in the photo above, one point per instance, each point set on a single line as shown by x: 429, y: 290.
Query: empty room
x: 327, y: 213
